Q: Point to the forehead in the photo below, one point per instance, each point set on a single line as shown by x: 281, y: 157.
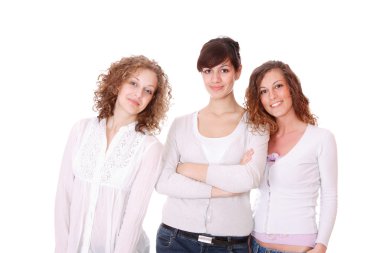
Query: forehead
x: 226, y: 62
x: 144, y: 75
x: 272, y: 76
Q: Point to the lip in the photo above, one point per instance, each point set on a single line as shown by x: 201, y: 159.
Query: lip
x: 276, y: 104
x: 216, y: 87
x: 134, y: 102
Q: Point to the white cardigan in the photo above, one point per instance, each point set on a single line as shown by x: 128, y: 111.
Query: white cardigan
x: 291, y: 185
x: 189, y: 205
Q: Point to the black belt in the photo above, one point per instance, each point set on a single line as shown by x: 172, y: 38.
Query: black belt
x: 209, y: 239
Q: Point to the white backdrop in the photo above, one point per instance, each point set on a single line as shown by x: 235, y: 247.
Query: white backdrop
x: 51, y: 53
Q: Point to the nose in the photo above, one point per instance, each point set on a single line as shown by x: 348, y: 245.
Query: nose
x: 215, y: 77
x: 139, y: 93
x: 272, y: 94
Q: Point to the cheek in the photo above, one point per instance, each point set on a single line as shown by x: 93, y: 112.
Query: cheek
x: 147, y: 101
x: 205, y: 78
x: 264, y: 101
x: 286, y: 93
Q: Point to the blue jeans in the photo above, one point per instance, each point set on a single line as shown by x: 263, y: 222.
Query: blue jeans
x: 256, y: 248
x: 170, y: 241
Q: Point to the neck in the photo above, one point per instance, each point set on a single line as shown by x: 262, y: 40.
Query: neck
x: 220, y: 106
x: 115, y: 122
x: 289, y: 124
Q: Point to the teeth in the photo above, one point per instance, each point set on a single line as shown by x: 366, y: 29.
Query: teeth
x: 276, y: 104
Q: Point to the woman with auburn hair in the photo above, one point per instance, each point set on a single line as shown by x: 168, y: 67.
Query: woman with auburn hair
x: 110, y: 164
x: 302, y: 161
x: 208, y: 206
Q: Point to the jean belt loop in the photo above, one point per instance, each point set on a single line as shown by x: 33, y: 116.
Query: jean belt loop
x: 176, y: 232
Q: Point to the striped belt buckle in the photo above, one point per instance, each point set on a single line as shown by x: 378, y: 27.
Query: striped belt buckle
x: 205, y: 239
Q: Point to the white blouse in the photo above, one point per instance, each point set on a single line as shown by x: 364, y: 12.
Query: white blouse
x: 103, y: 194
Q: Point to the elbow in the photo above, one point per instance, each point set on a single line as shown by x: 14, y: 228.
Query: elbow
x: 160, y: 187
x: 249, y: 182
x: 243, y: 185
x: 163, y: 186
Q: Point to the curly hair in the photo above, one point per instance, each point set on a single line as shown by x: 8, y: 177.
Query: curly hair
x: 148, y: 121
x: 257, y: 115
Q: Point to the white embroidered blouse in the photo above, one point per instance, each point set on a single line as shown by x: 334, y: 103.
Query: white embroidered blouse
x: 103, y: 194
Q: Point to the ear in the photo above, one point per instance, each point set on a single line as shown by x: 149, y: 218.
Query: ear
x: 237, y: 73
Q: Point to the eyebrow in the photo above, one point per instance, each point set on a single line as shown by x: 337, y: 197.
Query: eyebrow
x: 261, y: 87
x: 134, y: 77
x: 226, y: 64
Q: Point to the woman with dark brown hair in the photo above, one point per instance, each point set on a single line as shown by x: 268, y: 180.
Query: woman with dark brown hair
x: 208, y: 206
x: 302, y: 162
x: 110, y: 164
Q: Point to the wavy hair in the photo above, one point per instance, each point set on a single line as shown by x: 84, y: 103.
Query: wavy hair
x: 148, y: 121
x: 257, y: 115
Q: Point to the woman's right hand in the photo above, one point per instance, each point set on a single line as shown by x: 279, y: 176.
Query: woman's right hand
x: 247, y: 157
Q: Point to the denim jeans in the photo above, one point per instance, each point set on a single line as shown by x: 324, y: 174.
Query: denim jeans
x: 169, y: 241
x: 256, y: 248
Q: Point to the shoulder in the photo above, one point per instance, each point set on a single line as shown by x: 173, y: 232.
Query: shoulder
x: 184, y: 122
x: 152, y: 140
x: 321, y: 137
x: 82, y: 124
x: 152, y: 144
x: 184, y: 119
x: 255, y: 130
x: 320, y: 132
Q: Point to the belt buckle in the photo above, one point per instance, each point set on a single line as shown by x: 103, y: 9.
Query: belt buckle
x: 205, y: 239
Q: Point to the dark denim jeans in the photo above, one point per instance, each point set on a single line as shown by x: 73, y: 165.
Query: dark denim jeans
x: 169, y: 241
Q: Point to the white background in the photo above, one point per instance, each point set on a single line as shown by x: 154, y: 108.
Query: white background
x: 51, y: 53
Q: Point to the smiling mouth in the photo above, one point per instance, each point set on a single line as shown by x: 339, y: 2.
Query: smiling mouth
x: 276, y: 104
x: 134, y: 102
x: 216, y: 88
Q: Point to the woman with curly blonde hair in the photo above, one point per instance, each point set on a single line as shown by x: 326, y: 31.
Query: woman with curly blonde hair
x: 110, y: 164
x: 302, y: 163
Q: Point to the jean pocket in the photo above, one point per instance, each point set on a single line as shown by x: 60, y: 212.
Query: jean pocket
x: 164, y: 238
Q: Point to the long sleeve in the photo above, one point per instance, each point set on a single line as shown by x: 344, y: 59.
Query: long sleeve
x: 63, y: 195
x: 328, y: 169
x: 242, y: 178
x: 138, y: 201
x: 171, y: 183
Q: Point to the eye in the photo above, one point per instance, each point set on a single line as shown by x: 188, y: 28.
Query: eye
x: 149, y: 91
x: 279, y: 85
x: 263, y: 91
x: 224, y: 70
x: 133, y: 83
x: 206, y: 71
